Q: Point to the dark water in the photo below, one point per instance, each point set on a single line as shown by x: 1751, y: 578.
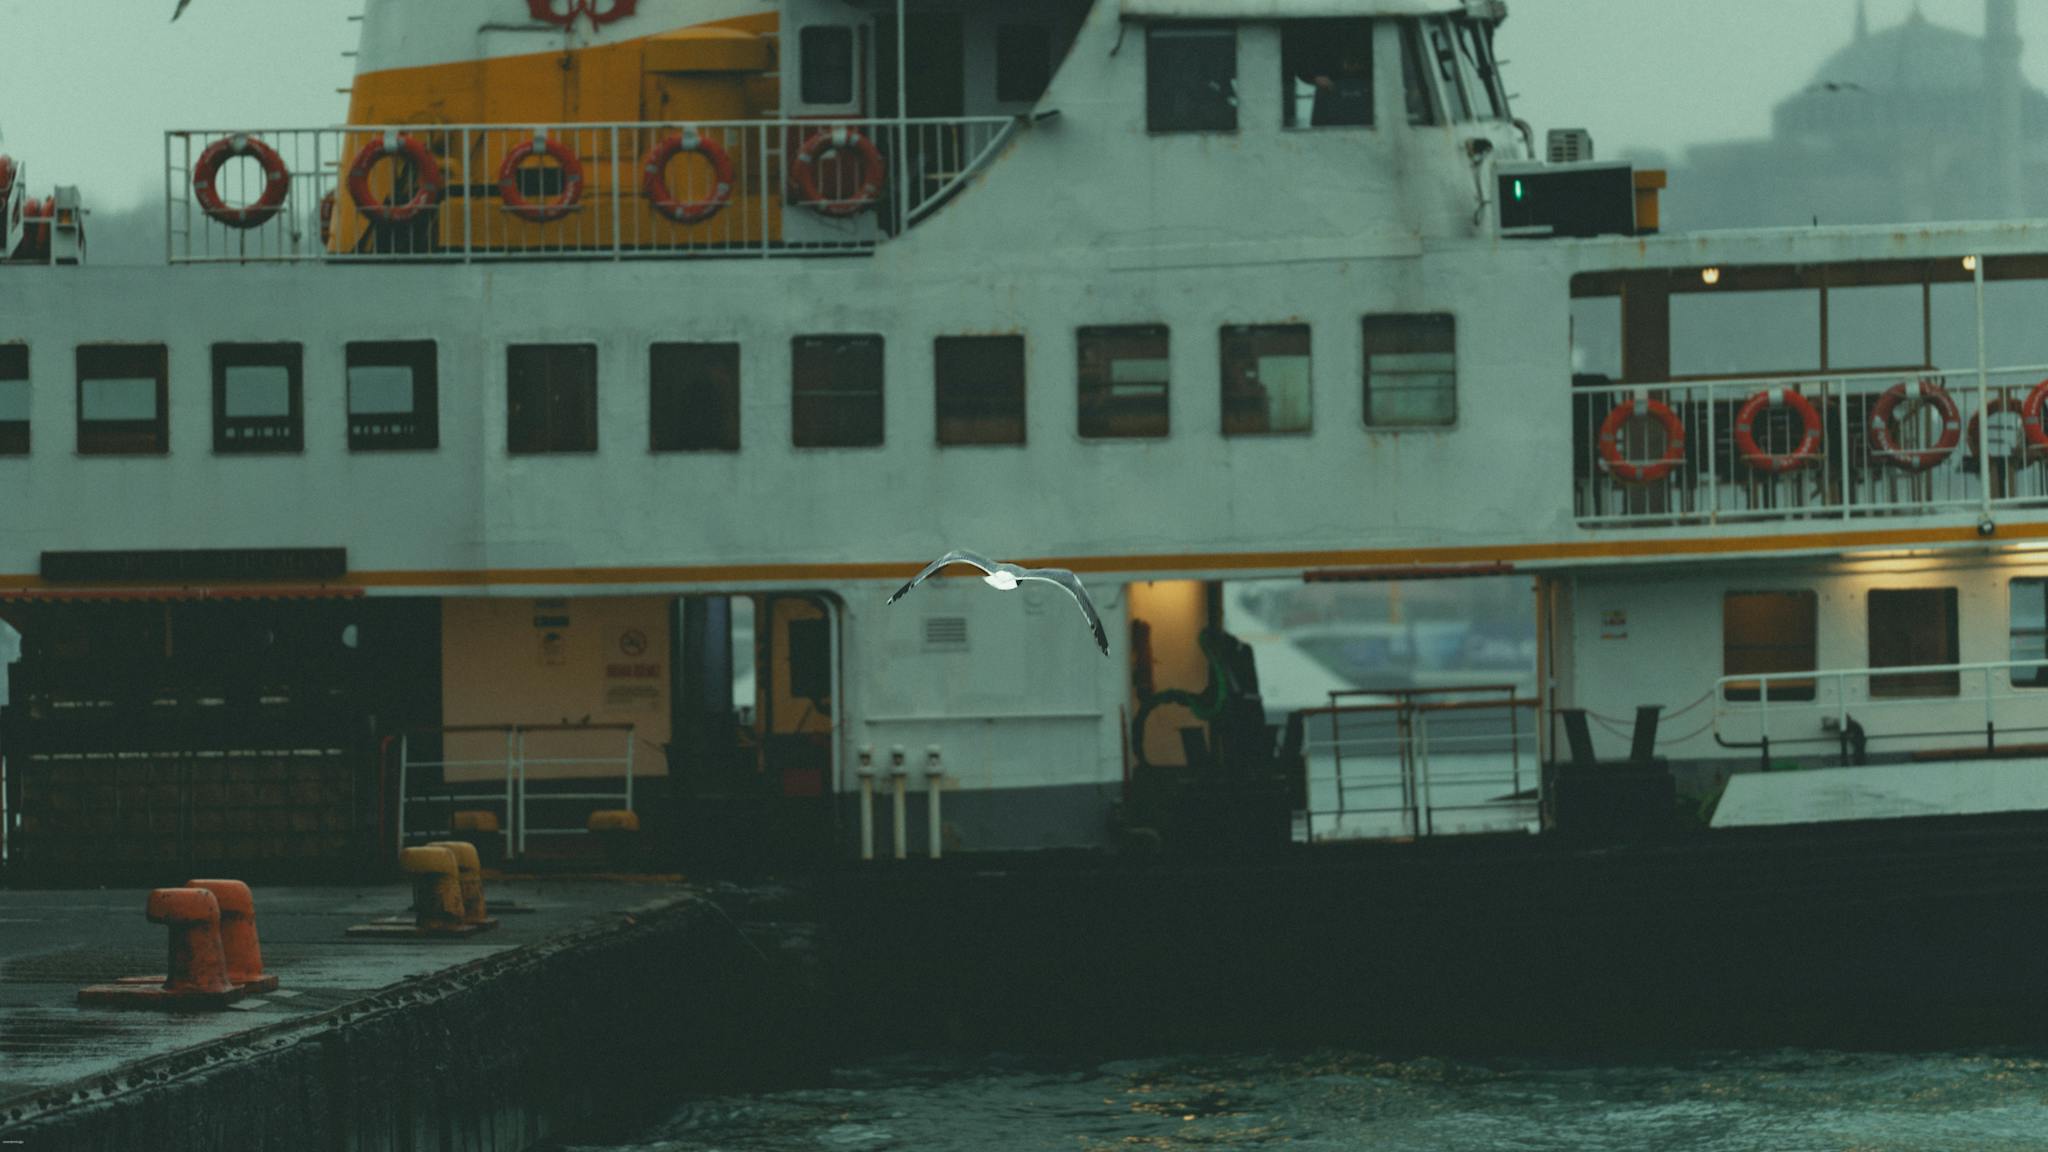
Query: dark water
x: 1788, y: 1101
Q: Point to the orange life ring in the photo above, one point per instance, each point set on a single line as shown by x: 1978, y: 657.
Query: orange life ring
x: 2024, y: 452
x: 572, y: 181
x: 1809, y: 431
x: 804, y: 172
x: 1628, y: 471
x: 654, y: 177
x: 277, y: 181
x: 2030, y: 418
x: 1886, y: 445
x: 426, y: 172
x: 35, y: 228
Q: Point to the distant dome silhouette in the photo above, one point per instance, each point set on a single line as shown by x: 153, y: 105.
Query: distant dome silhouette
x: 1916, y: 57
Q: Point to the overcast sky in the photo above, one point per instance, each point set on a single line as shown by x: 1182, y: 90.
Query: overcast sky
x: 87, y: 87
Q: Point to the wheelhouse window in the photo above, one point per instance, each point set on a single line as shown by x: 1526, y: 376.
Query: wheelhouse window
x: 694, y: 398
x: 1444, y: 52
x: 2030, y: 631
x: 1023, y: 62
x: 394, y: 399
x: 1475, y: 43
x: 1191, y: 78
x: 1766, y: 634
x: 551, y: 398
x: 1914, y: 627
x: 123, y: 400
x: 836, y: 391
x: 979, y: 382
x: 1124, y: 379
x: 1326, y: 73
x: 1415, y: 84
x: 14, y: 399
x: 1265, y: 379
x: 257, y: 405
x: 828, y: 65
x: 1411, y: 371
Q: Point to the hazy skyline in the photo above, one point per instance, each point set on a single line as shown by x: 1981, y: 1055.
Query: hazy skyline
x: 90, y: 86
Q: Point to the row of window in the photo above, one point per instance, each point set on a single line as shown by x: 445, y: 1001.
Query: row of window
x: 836, y: 390
x: 1326, y: 74
x: 1779, y: 632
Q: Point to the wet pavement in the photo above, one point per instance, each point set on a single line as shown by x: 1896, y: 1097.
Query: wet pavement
x: 52, y: 943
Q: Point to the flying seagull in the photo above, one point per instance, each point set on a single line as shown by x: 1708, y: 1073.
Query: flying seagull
x: 180, y: 11
x: 1007, y: 576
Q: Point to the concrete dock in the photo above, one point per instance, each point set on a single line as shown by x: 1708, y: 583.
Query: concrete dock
x: 485, y: 1042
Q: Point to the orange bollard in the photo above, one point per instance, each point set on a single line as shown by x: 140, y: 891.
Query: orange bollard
x: 469, y: 872
x: 238, y: 932
x: 197, y: 977
x: 197, y: 963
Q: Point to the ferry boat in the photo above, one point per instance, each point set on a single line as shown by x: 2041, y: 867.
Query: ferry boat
x: 546, y: 440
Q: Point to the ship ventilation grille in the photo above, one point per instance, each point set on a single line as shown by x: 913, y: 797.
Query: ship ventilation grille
x: 1570, y: 145
x: 945, y: 633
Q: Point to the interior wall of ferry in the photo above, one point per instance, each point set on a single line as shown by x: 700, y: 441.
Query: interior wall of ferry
x: 1627, y: 637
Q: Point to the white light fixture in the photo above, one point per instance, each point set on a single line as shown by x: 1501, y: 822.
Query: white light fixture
x: 1710, y: 275
x: 1969, y: 263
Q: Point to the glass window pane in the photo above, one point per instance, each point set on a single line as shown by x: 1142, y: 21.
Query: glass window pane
x: 14, y: 397
x: 1266, y: 379
x: 1326, y: 73
x: 1191, y: 78
x: 2030, y: 631
x: 980, y: 389
x: 695, y: 403
x: 1763, y: 633
x: 1411, y: 370
x: 836, y: 391
x: 828, y: 69
x: 258, y: 390
x: 1124, y: 378
x: 379, y: 389
x: 1913, y: 627
x: 125, y: 398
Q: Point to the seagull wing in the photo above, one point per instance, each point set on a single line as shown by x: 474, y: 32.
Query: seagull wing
x: 956, y: 556
x: 181, y: 10
x: 1072, y: 584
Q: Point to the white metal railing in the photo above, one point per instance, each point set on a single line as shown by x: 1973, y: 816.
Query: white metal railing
x: 1917, y: 710
x: 754, y: 187
x: 1420, y: 763
x: 1838, y: 445
x: 501, y: 783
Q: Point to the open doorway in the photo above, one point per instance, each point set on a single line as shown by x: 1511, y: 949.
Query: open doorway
x: 754, y: 758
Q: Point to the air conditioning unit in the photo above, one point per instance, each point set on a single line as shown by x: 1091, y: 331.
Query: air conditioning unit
x: 1569, y: 145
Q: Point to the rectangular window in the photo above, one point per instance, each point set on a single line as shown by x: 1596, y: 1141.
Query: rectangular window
x: 1124, y: 377
x: 827, y: 53
x: 257, y: 398
x: 980, y: 388
x: 836, y: 391
x: 1023, y: 62
x: 1265, y: 379
x: 14, y: 396
x: 1326, y: 73
x: 694, y: 398
x: 1411, y: 371
x: 394, y: 396
x: 1191, y: 78
x: 1475, y: 40
x: 2030, y: 631
x: 1448, y: 72
x: 1764, y: 633
x: 550, y: 398
x: 1909, y: 627
x: 123, y: 400
x: 1414, y: 78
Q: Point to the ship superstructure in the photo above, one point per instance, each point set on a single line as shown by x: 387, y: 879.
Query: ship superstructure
x: 456, y: 444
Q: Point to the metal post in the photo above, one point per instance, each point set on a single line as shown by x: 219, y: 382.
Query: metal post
x: 404, y: 753
x: 617, y: 202
x: 1844, y: 444
x: 1420, y: 728
x: 1990, y: 725
x: 896, y: 778
x: 867, y: 802
x: 934, y: 782
x: 768, y: 190
x: 170, y: 251
x: 902, y: 119
x: 468, y: 205
x: 515, y: 796
x: 631, y: 739
x: 1336, y: 752
x: 1713, y: 463
x: 1984, y: 464
x: 1763, y: 696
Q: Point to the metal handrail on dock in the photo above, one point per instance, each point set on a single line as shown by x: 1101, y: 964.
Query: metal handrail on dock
x: 514, y: 796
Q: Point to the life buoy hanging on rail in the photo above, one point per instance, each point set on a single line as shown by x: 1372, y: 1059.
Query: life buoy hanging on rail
x: 427, y: 179
x: 2023, y: 453
x: 804, y: 172
x: 516, y: 202
x: 1808, y: 448
x: 1634, y: 472
x: 1886, y: 445
x: 654, y: 177
x: 2030, y: 419
x: 277, y: 181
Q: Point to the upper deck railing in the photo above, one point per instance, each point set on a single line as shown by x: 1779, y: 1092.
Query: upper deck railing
x: 1924, y: 711
x: 1828, y: 446
x: 568, y: 191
